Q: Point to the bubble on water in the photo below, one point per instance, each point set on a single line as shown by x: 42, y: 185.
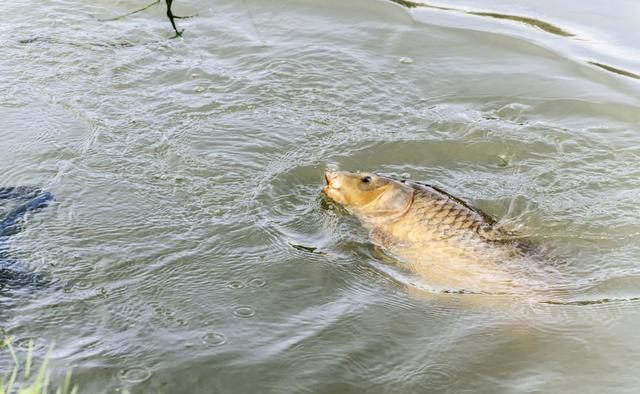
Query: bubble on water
x: 214, y: 339
x: 244, y: 311
x: 503, y: 160
x: 135, y: 374
x: 181, y: 322
x: 332, y: 167
x: 257, y: 282
x: 405, y: 60
x: 82, y: 285
x: 235, y: 284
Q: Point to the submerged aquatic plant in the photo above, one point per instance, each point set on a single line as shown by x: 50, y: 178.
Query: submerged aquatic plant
x: 20, y: 379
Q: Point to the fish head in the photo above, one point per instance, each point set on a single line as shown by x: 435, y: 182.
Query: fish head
x: 367, y: 194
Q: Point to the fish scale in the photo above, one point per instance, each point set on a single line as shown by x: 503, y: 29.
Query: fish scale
x: 450, y: 210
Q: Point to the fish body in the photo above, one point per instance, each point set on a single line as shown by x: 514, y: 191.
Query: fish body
x: 448, y: 243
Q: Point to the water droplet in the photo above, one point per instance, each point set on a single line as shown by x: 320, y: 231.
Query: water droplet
x: 257, y: 282
x: 406, y: 60
x: 234, y: 284
x: 135, y: 374
x: 244, y: 311
x: 214, y: 339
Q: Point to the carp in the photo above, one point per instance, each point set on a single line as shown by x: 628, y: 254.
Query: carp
x: 449, y: 244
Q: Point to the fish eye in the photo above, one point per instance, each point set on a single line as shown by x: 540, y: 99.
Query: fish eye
x: 366, y: 179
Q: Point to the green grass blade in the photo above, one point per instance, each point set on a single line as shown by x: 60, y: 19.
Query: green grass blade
x: 16, y: 365
x: 45, y: 386
x: 27, y: 364
x: 67, y: 382
x: 40, y: 382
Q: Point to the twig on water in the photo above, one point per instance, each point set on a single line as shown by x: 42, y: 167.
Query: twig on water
x: 130, y: 13
x: 156, y: 2
x: 171, y: 18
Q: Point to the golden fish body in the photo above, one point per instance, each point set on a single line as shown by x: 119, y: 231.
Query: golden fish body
x: 448, y: 243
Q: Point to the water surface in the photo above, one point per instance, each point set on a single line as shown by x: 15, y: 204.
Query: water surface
x: 189, y: 239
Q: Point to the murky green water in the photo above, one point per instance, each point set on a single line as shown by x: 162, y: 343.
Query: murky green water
x: 193, y: 247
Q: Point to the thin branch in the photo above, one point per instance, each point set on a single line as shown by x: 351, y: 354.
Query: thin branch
x: 156, y: 2
x: 130, y: 13
x: 171, y: 18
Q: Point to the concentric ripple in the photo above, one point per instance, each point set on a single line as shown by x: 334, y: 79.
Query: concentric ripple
x: 135, y: 374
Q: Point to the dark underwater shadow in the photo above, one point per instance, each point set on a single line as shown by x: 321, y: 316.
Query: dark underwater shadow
x: 15, y: 204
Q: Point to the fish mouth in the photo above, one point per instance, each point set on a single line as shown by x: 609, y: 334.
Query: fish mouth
x: 329, y: 177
